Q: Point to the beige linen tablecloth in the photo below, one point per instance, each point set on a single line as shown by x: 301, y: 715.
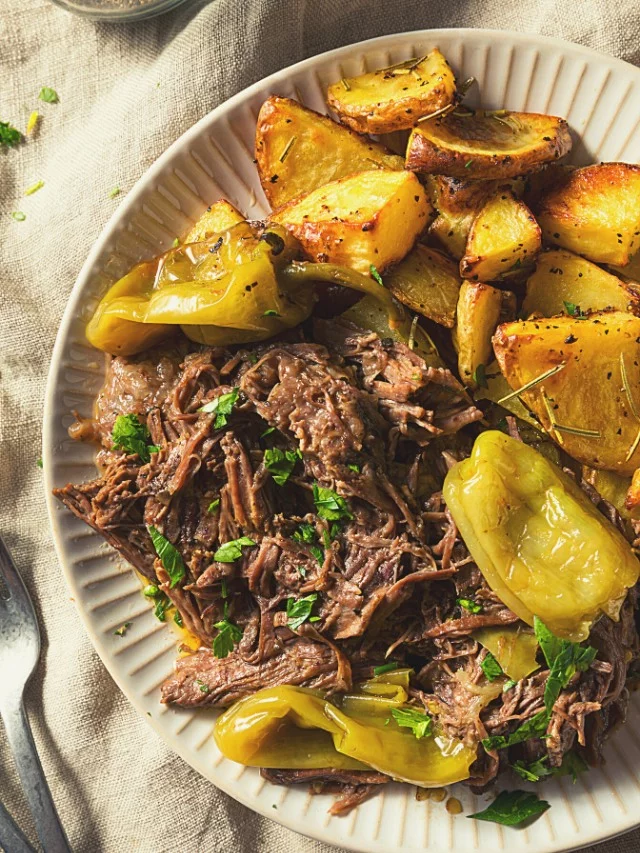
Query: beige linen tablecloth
x: 126, y: 92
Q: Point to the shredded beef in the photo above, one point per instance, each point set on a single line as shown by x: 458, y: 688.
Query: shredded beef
x: 368, y: 420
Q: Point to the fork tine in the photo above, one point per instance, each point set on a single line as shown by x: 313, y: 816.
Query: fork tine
x: 10, y: 579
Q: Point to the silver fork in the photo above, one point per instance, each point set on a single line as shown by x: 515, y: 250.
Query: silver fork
x: 19, y: 653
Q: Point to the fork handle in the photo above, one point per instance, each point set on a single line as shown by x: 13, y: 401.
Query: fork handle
x: 11, y: 838
x: 50, y: 832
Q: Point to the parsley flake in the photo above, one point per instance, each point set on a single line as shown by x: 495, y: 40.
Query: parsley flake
x: 204, y: 688
x: 480, y: 376
x: 122, y: 630
x: 355, y: 468
x: 412, y: 718
x: 511, y: 808
x: 232, y: 551
x: 213, y: 506
x: 280, y: 464
x: 19, y: 216
x: 222, y: 406
x: 330, y: 505
x: 39, y: 461
x: 48, y: 95
x: 169, y: 556
x: 271, y: 313
x: 563, y: 658
x: 299, y: 610
x: 114, y: 192
x: 229, y: 634
x: 375, y: 275
x: 491, y: 667
x: 10, y: 136
x: 535, y: 727
x: 469, y: 604
x: 132, y: 436
x: 535, y: 771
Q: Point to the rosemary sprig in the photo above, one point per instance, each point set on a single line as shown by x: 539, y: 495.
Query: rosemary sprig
x: 556, y: 427
x: 632, y: 406
x: 346, y: 85
x: 287, y: 148
x: 443, y: 111
x: 532, y: 383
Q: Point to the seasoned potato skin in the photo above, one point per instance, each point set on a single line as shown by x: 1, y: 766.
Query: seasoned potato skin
x: 561, y: 277
x: 477, y: 316
x: 428, y: 283
x: 482, y: 147
x: 504, y: 237
x: 394, y: 98
x: 373, y: 217
x: 322, y: 151
x: 457, y: 202
x: 588, y: 393
x: 595, y: 212
x: 216, y: 218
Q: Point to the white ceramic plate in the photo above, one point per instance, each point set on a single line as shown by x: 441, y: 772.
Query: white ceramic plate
x: 600, y: 97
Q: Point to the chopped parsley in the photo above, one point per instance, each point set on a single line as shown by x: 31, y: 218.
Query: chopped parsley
x: 176, y: 243
x: 19, y: 216
x: 375, y: 275
x: 48, y: 95
x: 114, y: 192
x: 330, y: 505
x: 480, y: 376
x: 574, y: 310
x: 213, y: 506
x: 468, y: 164
x: 132, y: 436
x: 169, y: 556
x: 39, y: 461
x: 271, y: 313
x: 229, y: 634
x: 267, y: 432
x: 232, y: 551
x: 563, y: 658
x: 491, y: 667
x: 511, y: 808
x: 306, y: 533
x: 150, y: 590
x: 355, y: 468
x: 163, y: 603
x: 508, y: 685
x: 177, y: 618
x: 122, y: 630
x: 280, y: 464
x: 469, y: 604
x: 386, y: 667
x: 222, y: 406
x: 412, y: 718
x: 535, y: 771
x: 204, y: 688
x: 10, y: 136
x: 535, y: 727
x: 299, y: 611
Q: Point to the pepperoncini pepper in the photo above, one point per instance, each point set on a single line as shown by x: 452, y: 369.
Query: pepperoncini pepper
x: 294, y: 727
x: 539, y: 541
x: 239, y: 286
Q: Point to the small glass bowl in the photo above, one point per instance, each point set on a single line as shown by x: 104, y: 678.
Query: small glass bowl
x: 118, y: 10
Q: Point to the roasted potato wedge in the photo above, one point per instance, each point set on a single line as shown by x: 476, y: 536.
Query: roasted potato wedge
x: 299, y: 150
x: 457, y: 203
x: 394, y: 98
x: 590, y: 405
x: 485, y: 145
x: 373, y: 217
x: 217, y: 218
x: 631, y: 271
x: 562, y: 278
x: 477, y: 316
x: 368, y: 313
x: 503, y: 238
x: 428, y: 283
x: 595, y: 212
x: 495, y: 387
